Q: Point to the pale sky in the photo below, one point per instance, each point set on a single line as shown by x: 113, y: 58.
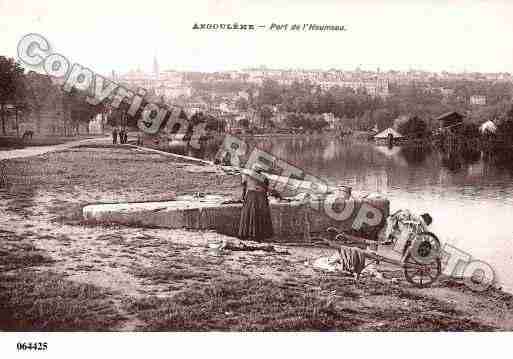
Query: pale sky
x: 121, y: 35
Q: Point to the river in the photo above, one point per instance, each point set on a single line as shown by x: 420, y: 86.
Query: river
x: 469, y: 194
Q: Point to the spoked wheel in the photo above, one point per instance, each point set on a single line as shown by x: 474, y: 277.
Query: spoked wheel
x: 422, y: 265
x: 421, y: 275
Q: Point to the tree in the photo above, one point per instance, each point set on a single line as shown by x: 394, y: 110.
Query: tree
x: 39, y: 89
x: 383, y: 118
x: 81, y: 110
x: 318, y: 124
x: 266, y: 113
x: 366, y: 122
x: 21, y: 105
x: 293, y: 120
x: 215, y: 124
x: 11, y: 76
x: 270, y: 94
x: 470, y: 130
x: 413, y: 127
x: 242, y: 104
x: 505, y: 127
x: 244, y: 122
x: 496, y: 112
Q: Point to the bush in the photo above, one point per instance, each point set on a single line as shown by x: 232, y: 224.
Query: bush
x: 470, y: 130
x: 505, y: 127
x: 413, y: 127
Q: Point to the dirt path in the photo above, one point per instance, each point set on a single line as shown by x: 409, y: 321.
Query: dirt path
x: 40, y: 150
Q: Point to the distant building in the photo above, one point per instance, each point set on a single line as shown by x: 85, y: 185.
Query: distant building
x: 244, y: 95
x: 333, y: 122
x: 169, y: 83
x: 478, y: 100
x: 172, y: 92
x: 375, y: 88
x: 193, y: 107
x: 224, y: 107
x: 446, y: 93
x: 386, y: 134
x: 156, y: 68
x: 231, y: 122
x: 450, y: 120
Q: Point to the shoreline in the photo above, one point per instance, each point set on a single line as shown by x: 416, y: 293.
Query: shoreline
x: 132, y: 278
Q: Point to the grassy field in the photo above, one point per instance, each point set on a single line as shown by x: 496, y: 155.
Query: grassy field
x: 59, y: 273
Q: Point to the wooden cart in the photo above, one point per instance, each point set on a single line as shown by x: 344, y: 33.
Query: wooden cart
x: 420, y: 258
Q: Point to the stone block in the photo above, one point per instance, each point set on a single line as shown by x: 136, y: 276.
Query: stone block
x: 292, y: 221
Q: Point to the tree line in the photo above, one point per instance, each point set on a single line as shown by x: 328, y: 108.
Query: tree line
x: 410, y: 108
x: 29, y: 94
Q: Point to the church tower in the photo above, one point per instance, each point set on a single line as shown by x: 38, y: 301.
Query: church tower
x: 156, y: 69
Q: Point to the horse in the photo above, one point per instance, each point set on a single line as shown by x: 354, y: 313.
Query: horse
x: 27, y: 134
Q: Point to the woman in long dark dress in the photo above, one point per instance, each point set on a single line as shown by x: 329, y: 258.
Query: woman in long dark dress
x: 114, y: 135
x: 255, y: 220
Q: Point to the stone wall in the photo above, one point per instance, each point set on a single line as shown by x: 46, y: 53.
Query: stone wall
x: 292, y: 221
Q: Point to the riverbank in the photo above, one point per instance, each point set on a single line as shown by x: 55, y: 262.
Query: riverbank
x: 59, y: 273
x: 12, y: 142
x: 288, y: 135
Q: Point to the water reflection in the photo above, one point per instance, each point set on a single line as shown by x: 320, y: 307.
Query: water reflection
x: 368, y: 167
x: 415, y: 156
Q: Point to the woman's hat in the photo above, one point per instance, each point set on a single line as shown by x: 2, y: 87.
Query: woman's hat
x: 427, y: 218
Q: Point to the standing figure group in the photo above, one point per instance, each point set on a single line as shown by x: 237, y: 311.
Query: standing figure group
x: 122, y: 132
x: 123, y: 135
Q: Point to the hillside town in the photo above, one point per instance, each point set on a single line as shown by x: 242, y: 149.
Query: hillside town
x: 267, y: 101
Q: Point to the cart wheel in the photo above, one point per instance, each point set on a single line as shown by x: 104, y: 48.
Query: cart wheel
x: 421, y: 275
x: 425, y: 247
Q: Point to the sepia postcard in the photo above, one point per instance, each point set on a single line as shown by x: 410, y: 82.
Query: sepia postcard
x: 198, y: 170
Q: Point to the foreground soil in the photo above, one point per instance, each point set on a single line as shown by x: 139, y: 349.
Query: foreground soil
x: 59, y: 273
